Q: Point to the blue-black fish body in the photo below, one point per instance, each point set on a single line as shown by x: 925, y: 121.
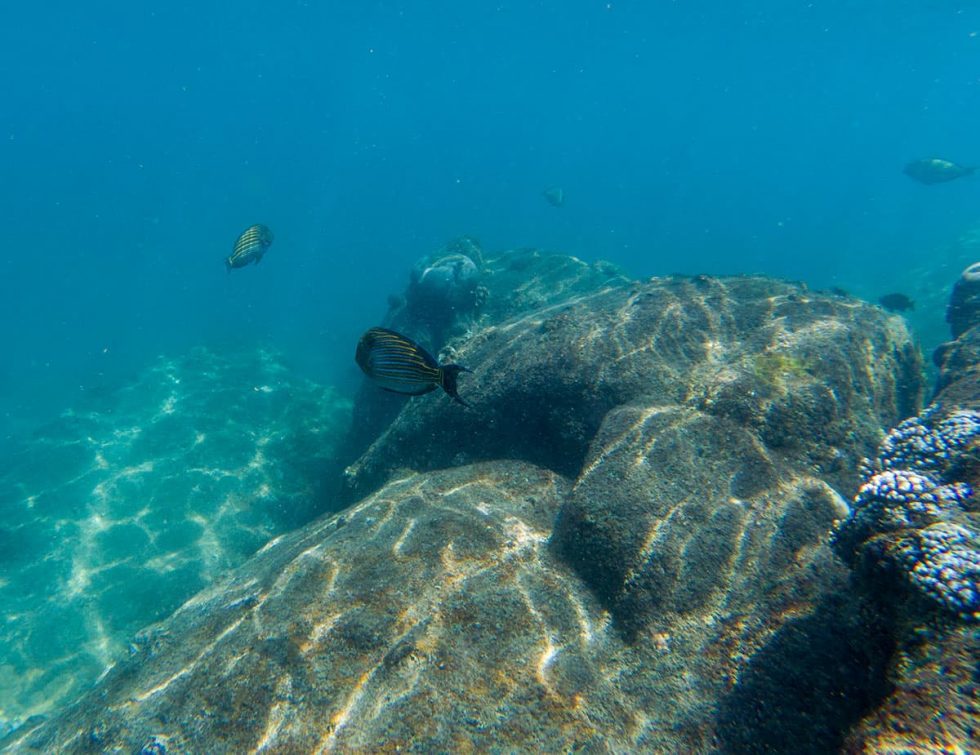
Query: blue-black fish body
x: 398, y: 364
x: 936, y: 171
x: 554, y: 195
x: 896, y: 302
x: 250, y: 246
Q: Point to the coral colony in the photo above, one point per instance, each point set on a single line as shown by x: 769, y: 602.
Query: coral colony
x: 912, y: 513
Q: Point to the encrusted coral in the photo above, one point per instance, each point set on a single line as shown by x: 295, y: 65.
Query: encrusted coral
x: 915, y: 516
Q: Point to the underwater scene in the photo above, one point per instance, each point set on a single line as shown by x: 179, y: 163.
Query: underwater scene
x: 577, y: 376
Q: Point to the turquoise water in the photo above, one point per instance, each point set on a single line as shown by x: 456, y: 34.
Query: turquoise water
x: 718, y: 137
x: 139, y: 140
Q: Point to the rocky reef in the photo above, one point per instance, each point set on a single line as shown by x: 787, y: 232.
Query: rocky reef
x: 624, y: 545
x: 432, y: 616
x: 910, y: 516
x: 505, y: 287
x: 122, y: 509
x: 815, y: 378
x: 913, y: 539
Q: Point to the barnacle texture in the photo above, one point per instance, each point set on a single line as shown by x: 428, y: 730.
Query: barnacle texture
x: 911, y: 516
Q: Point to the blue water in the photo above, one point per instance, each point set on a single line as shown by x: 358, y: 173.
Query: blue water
x: 138, y: 139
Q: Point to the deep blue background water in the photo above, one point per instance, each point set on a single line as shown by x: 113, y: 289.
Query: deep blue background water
x: 138, y: 139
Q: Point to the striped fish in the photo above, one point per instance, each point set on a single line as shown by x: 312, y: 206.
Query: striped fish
x: 250, y: 247
x: 398, y: 364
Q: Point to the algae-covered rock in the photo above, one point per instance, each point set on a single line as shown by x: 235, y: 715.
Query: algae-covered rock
x: 959, y: 373
x: 509, y: 285
x: 430, y: 616
x: 648, y: 571
x: 433, y: 617
x: 934, y: 700
x: 712, y: 426
x: 679, y: 513
x: 722, y: 401
x: 816, y: 378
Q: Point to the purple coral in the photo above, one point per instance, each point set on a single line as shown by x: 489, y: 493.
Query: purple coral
x: 942, y: 561
x: 919, y: 445
x: 909, y: 505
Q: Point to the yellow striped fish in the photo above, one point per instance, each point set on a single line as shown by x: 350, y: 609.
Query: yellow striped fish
x: 398, y: 364
x: 250, y: 247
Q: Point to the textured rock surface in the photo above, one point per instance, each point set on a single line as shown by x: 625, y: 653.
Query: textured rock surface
x: 686, y: 434
x: 432, y: 617
x: 429, y: 616
x: 934, y: 705
x: 963, y: 311
x: 959, y: 375
x: 921, y: 488
x: 499, y: 288
x: 680, y: 514
x: 444, y: 297
x: 815, y: 377
x: 512, y: 284
x: 719, y: 401
x: 120, y: 511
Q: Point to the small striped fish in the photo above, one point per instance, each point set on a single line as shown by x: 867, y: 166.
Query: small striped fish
x: 250, y: 247
x: 398, y: 364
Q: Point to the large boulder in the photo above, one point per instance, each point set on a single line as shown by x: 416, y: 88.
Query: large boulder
x: 648, y: 570
x: 723, y: 400
x: 681, y: 514
x: 815, y: 377
x: 433, y: 617
x: 510, y: 285
x: 430, y: 616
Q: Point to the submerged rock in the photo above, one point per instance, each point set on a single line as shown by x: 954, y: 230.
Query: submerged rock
x: 813, y: 378
x: 124, y: 508
x: 431, y: 616
x: 963, y: 311
x: 444, y: 295
x: 511, y: 284
x: 914, y: 540
x: 648, y: 571
x: 933, y: 692
x: 679, y: 514
x: 709, y: 425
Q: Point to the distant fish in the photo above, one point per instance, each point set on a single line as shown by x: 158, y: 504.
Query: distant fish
x: 936, y: 171
x: 398, y: 364
x: 250, y: 247
x: 896, y: 302
x: 554, y: 195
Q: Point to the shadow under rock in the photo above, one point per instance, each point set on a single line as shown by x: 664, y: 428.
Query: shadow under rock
x: 815, y: 679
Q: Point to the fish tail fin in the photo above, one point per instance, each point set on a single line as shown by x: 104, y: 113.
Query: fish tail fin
x: 449, y: 373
